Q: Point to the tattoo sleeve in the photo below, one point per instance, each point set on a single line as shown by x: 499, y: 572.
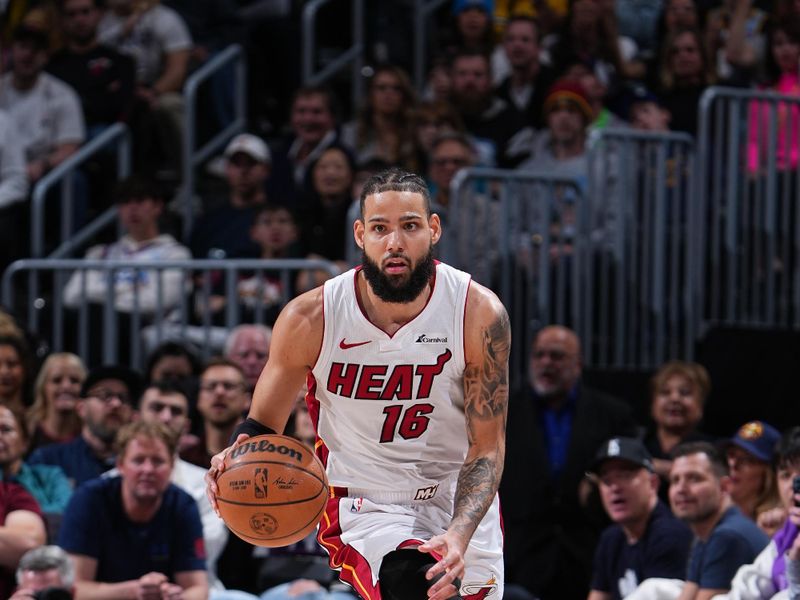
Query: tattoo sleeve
x: 485, y: 404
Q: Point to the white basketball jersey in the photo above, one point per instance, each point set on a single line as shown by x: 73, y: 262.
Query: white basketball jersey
x: 389, y: 409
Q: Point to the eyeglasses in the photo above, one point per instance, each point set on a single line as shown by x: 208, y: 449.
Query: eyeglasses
x: 228, y: 386
x: 106, y: 396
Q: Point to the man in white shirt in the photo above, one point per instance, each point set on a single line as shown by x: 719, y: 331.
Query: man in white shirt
x: 46, y: 111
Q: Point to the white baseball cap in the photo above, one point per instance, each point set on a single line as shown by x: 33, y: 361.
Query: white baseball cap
x: 251, y: 145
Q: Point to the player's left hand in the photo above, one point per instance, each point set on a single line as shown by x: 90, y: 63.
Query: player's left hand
x: 451, y: 547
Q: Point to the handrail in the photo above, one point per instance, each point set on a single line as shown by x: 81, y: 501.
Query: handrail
x: 41, y: 264
x: 421, y: 11
x: 192, y: 157
x: 354, y: 54
x: 118, y: 133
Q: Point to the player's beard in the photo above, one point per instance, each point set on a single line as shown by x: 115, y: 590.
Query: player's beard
x: 395, y: 289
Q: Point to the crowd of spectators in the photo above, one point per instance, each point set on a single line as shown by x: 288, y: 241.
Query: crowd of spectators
x: 105, y: 463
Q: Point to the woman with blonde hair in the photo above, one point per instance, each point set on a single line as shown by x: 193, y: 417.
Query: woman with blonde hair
x: 53, y: 416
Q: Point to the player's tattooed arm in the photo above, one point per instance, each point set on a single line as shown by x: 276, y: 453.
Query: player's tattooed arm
x: 485, y: 405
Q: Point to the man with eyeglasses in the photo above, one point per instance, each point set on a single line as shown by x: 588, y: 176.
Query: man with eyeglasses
x: 645, y: 540
x: 552, y: 514
x: 222, y: 402
x: 107, y: 403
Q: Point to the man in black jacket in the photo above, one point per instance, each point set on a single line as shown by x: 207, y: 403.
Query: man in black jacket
x: 551, y: 513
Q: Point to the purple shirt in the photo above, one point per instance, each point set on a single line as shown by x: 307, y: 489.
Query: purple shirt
x: 783, y: 539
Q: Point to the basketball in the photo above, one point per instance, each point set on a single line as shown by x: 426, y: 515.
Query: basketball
x: 272, y: 491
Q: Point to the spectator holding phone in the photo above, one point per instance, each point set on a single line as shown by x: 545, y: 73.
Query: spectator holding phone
x: 768, y: 575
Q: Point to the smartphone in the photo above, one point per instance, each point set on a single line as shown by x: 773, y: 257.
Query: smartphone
x: 796, y: 488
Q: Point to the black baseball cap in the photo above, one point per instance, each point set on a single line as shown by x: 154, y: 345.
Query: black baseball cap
x: 34, y: 35
x: 132, y: 379
x: 623, y: 448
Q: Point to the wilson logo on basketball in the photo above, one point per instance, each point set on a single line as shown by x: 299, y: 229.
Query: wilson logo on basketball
x: 265, y: 446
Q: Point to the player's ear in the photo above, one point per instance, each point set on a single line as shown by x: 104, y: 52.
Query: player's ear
x: 358, y: 232
x: 436, y: 227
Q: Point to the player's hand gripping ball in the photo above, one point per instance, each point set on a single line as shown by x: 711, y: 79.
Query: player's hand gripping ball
x: 272, y: 491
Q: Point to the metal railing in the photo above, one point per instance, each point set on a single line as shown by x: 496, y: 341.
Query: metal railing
x: 422, y: 11
x: 644, y: 249
x: 748, y: 174
x: 353, y: 56
x: 522, y: 234
x: 116, y: 135
x: 192, y: 156
x: 149, y: 302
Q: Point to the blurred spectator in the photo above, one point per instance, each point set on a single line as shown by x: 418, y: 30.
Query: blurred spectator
x: 53, y: 416
x: 158, y: 40
x: 141, y: 205
x: 597, y: 95
x: 21, y: 529
x: 450, y: 152
x: 590, y: 35
x: 137, y: 535
x: 136, y: 289
x: 45, y: 110
x: 167, y: 403
x: 15, y: 372
x: 491, y: 120
x: 767, y: 574
x: 13, y: 191
x: 46, y: 483
x: 528, y: 81
x: 103, y: 78
x: 248, y: 346
x: 222, y: 401
x: 474, y: 24
x: 46, y: 569
x: 782, y: 77
x: 172, y: 361
x: 555, y: 426
x: 108, y: 397
x: 750, y: 457
x: 439, y: 82
x: 735, y: 41
x: 313, y: 123
x: 678, y: 393
x: 223, y: 230
x: 561, y: 148
x: 638, y: 20
x: 645, y: 111
x: 645, y: 540
x: 324, y: 227
x: 724, y: 538
x: 383, y: 128
x: 430, y: 119
x: 680, y: 14
x: 213, y: 25
x: 262, y: 293
x: 685, y: 73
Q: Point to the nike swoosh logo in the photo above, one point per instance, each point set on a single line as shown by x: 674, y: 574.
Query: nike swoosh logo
x: 345, y: 346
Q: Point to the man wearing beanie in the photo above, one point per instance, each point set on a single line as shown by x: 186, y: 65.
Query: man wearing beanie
x: 560, y: 149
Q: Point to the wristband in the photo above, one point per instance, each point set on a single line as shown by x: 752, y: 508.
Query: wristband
x: 252, y: 428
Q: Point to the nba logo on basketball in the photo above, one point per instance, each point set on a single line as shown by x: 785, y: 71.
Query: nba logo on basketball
x: 260, y: 480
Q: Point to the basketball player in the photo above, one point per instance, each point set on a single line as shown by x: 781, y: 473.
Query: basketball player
x: 406, y: 362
